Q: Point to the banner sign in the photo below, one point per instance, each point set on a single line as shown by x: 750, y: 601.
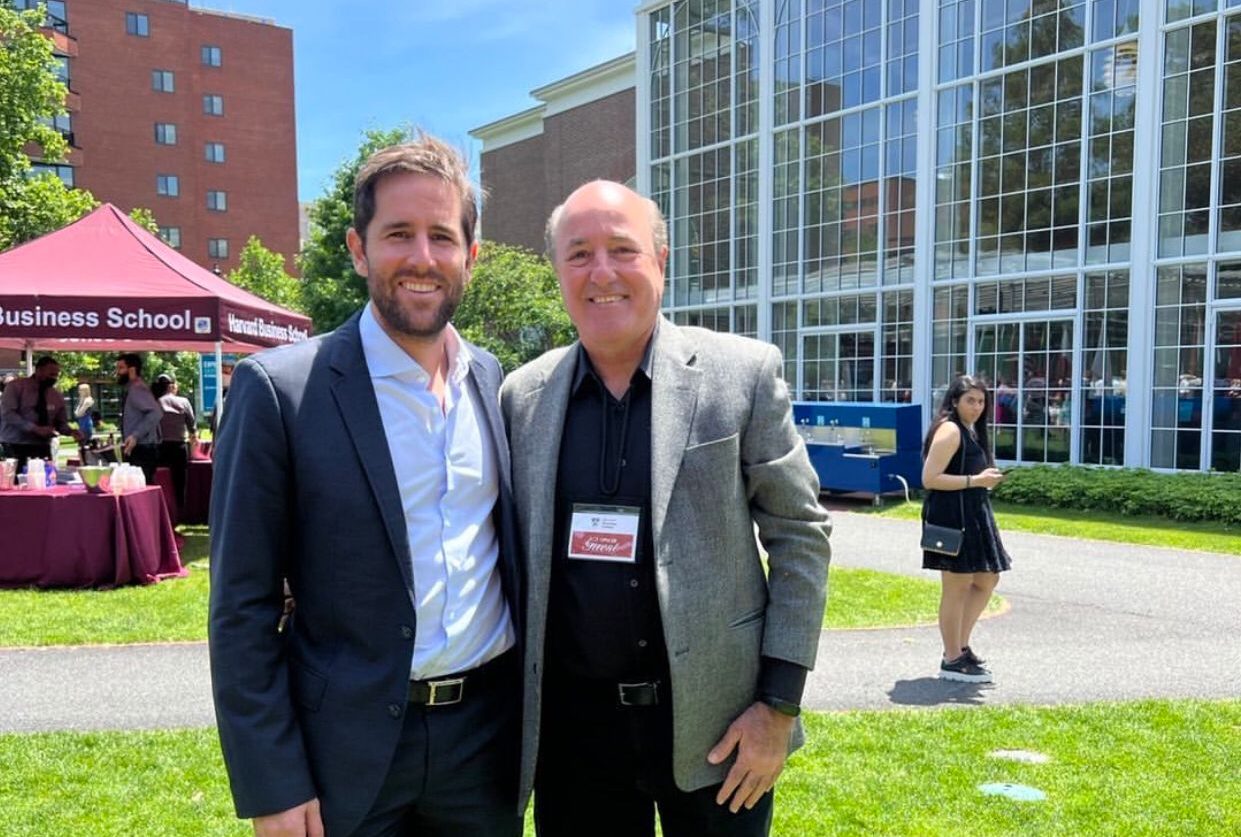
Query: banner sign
x: 205, y: 320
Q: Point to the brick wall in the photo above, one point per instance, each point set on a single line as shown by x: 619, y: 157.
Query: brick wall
x: 117, y: 157
x: 527, y: 179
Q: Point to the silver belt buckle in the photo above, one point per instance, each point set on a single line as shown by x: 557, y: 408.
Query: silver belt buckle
x: 452, y: 690
x: 622, y: 688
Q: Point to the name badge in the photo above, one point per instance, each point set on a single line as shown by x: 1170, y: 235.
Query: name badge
x: 604, y: 533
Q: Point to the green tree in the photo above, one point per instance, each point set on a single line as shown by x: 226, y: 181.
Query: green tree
x: 144, y: 218
x: 512, y: 307
x: 261, y: 271
x: 30, y: 96
x: 331, y: 289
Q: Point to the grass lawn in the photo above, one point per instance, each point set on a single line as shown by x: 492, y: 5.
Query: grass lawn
x: 859, y: 598
x: 173, y: 610
x: 1146, y: 768
x: 176, y: 609
x: 1101, y: 526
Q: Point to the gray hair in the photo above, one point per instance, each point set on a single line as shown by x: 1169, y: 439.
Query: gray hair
x: 655, y: 217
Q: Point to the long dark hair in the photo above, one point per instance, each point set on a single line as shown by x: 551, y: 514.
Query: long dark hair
x: 948, y: 412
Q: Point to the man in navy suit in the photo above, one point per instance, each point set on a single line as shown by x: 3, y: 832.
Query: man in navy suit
x: 369, y: 468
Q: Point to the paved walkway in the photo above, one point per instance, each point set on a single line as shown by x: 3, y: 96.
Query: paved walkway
x: 1088, y: 621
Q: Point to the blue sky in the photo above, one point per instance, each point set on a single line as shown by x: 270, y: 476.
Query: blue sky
x: 447, y: 66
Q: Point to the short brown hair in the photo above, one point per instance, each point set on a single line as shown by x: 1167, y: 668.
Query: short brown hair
x: 424, y: 154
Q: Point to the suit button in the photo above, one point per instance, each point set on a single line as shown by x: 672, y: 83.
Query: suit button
x: 394, y: 709
x: 407, y: 632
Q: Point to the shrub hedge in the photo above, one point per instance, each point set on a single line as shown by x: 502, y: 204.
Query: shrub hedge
x: 1132, y: 491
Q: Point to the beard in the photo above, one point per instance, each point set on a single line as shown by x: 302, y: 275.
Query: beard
x: 419, y: 323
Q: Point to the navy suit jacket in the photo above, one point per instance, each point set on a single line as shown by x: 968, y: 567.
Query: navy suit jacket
x: 304, y: 489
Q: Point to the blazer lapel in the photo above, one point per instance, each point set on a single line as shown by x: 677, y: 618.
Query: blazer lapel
x: 542, y: 418
x: 355, y: 398
x: 674, y: 397
x: 485, y: 385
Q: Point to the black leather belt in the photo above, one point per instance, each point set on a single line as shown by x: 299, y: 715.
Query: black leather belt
x: 445, y: 691
x: 638, y: 694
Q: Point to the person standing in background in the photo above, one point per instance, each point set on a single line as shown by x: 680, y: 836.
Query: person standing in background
x: 178, y: 431
x: 82, y: 413
x: 958, y: 471
x: 33, y: 413
x: 140, y: 416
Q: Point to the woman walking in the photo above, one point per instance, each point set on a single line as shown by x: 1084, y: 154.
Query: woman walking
x: 959, y: 470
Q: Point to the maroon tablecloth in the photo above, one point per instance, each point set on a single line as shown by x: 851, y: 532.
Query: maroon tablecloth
x: 163, y: 478
x: 197, y: 492
x: 65, y: 537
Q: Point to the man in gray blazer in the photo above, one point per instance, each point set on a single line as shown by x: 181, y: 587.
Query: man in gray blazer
x: 368, y: 467
x: 664, y: 663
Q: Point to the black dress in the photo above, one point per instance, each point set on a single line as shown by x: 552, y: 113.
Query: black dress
x: 982, y: 551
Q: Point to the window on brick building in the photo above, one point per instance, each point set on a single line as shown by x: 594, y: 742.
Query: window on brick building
x: 214, y: 152
x: 168, y: 185
x: 61, y: 170
x: 137, y: 24
x: 217, y: 201
x: 212, y: 56
x: 171, y: 236
x: 56, y: 15
x: 213, y: 105
x: 163, y: 81
x: 165, y: 133
x: 217, y: 248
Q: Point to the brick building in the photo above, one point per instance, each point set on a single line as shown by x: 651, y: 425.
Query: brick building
x: 187, y: 112
x: 532, y: 160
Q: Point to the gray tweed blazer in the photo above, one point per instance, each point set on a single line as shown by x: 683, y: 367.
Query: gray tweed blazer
x: 725, y: 458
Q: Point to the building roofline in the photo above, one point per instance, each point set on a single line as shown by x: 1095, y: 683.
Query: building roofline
x: 264, y: 21
x: 591, y: 84
x: 516, y: 122
x: 586, y: 78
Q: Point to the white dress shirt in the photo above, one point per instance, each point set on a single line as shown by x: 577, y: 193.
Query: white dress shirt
x: 446, y: 470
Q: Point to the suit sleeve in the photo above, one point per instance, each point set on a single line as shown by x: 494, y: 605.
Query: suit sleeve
x: 250, y: 519
x: 783, y: 492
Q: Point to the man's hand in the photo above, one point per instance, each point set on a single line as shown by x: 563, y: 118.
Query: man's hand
x: 760, y: 735
x: 302, y: 821
x: 131, y: 442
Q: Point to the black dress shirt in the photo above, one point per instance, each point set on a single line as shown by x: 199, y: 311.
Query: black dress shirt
x: 603, y: 617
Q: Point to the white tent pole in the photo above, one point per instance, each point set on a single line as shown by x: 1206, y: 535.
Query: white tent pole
x: 219, y: 376
x: 29, y: 358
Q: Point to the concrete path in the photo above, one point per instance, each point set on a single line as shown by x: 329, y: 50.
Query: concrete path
x: 1088, y: 621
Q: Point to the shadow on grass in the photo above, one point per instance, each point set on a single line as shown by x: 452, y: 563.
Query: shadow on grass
x: 931, y: 691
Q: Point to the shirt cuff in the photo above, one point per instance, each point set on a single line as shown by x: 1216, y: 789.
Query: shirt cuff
x: 782, y: 679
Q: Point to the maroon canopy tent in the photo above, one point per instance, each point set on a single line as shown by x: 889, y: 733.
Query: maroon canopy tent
x: 103, y: 283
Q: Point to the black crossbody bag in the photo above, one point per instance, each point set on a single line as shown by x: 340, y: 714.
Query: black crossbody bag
x: 944, y: 539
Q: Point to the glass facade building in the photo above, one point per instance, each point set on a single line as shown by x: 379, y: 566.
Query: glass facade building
x: 1046, y: 193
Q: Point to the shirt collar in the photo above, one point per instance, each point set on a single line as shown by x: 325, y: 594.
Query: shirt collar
x: 586, y: 368
x: 386, y: 359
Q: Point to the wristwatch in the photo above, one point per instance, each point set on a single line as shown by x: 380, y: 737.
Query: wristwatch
x: 784, y: 707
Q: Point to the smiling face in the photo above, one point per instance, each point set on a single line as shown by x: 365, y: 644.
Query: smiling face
x: 611, y: 276
x: 414, y: 257
x: 970, y: 406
